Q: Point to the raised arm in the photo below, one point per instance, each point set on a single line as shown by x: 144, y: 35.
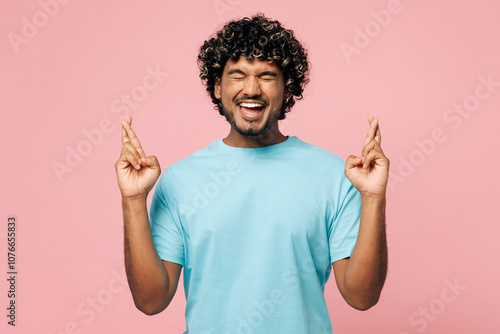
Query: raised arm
x: 361, y: 277
x: 153, y: 282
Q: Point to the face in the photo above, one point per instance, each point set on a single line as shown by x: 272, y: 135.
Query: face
x: 251, y: 95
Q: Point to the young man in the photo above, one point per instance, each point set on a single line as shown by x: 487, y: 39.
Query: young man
x: 257, y: 219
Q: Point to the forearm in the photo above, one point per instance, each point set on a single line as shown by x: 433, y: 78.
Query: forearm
x: 367, y: 268
x: 146, y: 274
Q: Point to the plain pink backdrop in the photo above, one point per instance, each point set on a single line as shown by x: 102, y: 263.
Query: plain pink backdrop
x: 65, y: 66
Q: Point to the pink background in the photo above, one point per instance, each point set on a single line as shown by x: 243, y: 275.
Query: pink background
x: 67, y: 75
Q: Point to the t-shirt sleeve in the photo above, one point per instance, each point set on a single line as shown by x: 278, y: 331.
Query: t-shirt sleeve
x: 344, y: 225
x: 165, y: 225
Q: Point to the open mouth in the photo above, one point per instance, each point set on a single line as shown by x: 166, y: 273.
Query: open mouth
x: 250, y: 110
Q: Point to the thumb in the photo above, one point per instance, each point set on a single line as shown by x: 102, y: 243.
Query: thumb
x: 151, y: 162
x: 352, y: 161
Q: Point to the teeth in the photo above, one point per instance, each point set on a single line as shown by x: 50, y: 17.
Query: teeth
x: 251, y: 105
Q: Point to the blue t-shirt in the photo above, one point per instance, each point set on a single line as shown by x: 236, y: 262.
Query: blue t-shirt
x: 256, y: 230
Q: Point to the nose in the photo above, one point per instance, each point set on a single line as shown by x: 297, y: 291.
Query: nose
x: 252, y: 86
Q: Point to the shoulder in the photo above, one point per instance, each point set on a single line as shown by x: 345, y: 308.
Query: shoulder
x: 318, y: 154
x: 188, y: 165
x: 328, y: 166
x: 194, y: 159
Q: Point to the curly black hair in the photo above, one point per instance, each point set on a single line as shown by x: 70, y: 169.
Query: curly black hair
x: 257, y: 37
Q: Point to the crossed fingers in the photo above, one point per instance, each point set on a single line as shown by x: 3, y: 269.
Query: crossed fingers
x: 131, y: 144
x: 128, y: 135
x: 371, y: 146
x: 374, y: 131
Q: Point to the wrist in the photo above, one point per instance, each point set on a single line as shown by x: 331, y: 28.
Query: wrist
x: 134, y: 200
x: 373, y: 198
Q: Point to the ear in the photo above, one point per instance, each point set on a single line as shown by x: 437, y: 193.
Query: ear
x: 217, y: 89
x: 287, y: 95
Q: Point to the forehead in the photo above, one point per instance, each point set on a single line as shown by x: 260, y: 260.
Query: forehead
x: 255, y: 65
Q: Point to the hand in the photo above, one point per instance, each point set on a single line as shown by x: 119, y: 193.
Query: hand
x: 136, y: 172
x: 370, y: 172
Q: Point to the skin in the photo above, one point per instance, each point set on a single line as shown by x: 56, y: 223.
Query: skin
x: 252, y: 81
x: 361, y: 277
x: 153, y: 282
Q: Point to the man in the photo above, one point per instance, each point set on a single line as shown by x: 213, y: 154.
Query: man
x: 256, y: 219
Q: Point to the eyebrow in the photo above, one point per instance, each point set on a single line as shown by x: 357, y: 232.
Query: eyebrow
x: 235, y: 71
x: 269, y: 73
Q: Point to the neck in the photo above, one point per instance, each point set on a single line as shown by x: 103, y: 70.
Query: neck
x: 271, y: 137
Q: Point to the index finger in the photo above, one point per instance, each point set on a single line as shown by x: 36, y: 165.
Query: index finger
x: 129, y: 135
x: 124, y: 133
x: 378, y: 135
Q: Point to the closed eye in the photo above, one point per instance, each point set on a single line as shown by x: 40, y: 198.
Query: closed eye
x: 236, y: 74
x: 268, y: 75
x: 268, y: 78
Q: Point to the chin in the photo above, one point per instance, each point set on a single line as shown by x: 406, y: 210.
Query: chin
x: 250, y: 128
x: 250, y: 132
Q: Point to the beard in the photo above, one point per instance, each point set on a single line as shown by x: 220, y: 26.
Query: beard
x: 251, y: 131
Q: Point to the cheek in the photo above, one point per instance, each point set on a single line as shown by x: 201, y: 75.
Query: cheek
x: 275, y: 90
x: 276, y: 96
x: 229, y: 92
